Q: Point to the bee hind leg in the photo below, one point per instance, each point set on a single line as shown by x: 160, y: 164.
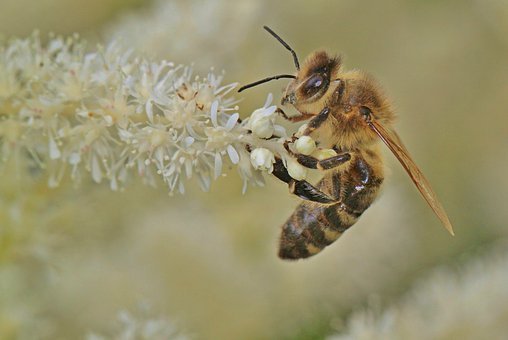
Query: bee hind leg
x: 307, y: 191
x: 320, y: 164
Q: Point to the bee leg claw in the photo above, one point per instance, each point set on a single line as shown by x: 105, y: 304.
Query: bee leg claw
x: 294, y: 119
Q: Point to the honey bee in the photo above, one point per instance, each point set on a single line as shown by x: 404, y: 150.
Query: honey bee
x: 346, y: 112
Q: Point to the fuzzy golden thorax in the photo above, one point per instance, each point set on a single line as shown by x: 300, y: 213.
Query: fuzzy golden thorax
x: 350, y: 96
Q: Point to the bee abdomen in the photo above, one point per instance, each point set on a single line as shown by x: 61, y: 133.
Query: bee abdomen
x: 311, y: 228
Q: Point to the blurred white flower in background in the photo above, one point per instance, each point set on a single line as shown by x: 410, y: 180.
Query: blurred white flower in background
x: 175, y: 29
x: 470, y: 304
x: 141, y: 325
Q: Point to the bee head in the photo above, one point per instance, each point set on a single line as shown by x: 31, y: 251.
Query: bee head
x: 312, y: 83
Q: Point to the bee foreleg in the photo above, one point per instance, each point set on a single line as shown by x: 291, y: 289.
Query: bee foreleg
x: 294, y: 119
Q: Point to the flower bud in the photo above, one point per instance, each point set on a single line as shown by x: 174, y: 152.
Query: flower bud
x: 263, y: 128
x: 305, y: 145
x: 324, y: 153
x: 262, y: 159
x: 296, y: 170
x: 261, y: 122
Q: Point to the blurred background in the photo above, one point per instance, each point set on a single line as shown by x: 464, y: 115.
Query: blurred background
x: 85, y: 262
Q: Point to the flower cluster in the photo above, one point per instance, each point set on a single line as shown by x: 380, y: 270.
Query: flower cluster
x: 109, y: 114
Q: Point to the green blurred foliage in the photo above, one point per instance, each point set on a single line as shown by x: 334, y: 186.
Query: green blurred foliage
x: 208, y: 260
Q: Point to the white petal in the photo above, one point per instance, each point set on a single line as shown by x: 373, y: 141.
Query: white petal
x: 204, y: 181
x: 270, y: 110
x: 122, y: 175
x: 191, y: 131
x: 96, y: 170
x: 268, y: 100
x: 280, y: 130
x: 74, y: 158
x: 188, y: 168
x: 124, y: 134
x: 187, y: 141
x: 213, y: 112
x: 149, y: 110
x: 232, y: 121
x: 233, y: 154
x: 170, y: 171
x: 113, y: 184
x: 54, y: 152
x: 217, y: 166
x: 53, y: 182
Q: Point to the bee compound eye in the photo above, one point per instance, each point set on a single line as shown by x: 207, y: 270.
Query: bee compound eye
x: 314, y: 82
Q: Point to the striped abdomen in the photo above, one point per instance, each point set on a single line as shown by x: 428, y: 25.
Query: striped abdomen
x: 313, y: 226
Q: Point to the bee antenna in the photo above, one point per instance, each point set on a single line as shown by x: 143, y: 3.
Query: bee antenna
x: 265, y: 80
x: 295, y: 58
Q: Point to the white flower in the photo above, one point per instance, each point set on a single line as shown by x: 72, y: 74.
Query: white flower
x: 262, y: 121
x: 305, y: 145
x: 262, y: 159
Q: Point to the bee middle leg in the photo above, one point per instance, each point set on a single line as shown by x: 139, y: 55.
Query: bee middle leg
x: 302, y: 189
x: 316, y: 122
x: 323, y: 164
x: 320, y: 164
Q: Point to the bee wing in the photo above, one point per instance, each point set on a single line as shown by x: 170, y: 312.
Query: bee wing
x: 392, y: 140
